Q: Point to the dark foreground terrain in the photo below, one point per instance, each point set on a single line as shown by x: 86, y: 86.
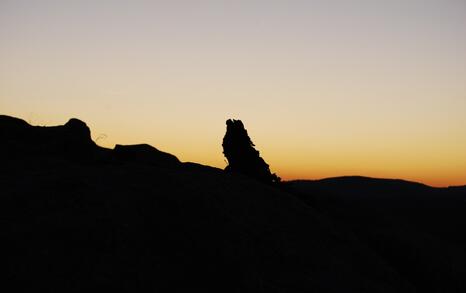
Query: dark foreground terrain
x: 75, y: 217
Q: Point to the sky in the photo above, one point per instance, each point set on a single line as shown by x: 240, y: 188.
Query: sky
x: 325, y: 88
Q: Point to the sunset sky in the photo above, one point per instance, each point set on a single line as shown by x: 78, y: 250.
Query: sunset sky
x: 325, y: 88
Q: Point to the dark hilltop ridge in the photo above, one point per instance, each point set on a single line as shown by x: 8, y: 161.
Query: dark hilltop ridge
x: 76, y: 217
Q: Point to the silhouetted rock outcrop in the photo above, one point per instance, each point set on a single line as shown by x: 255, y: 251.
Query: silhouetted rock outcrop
x: 72, y: 139
x: 242, y: 156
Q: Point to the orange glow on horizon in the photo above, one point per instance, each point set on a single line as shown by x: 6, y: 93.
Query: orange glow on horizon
x: 324, y: 88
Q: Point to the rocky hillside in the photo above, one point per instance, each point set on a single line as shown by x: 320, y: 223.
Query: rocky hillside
x: 77, y: 217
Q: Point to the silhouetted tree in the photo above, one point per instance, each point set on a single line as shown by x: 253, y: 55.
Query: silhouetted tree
x: 242, y: 156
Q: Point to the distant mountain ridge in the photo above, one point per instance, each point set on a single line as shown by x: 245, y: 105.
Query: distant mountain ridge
x: 361, y: 180
x: 372, y: 188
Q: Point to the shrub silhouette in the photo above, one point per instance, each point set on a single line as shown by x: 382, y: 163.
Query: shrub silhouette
x: 242, y: 156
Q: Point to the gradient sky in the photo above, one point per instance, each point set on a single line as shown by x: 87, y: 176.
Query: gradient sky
x: 325, y: 88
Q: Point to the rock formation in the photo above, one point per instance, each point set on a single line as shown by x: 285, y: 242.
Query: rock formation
x: 242, y: 156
